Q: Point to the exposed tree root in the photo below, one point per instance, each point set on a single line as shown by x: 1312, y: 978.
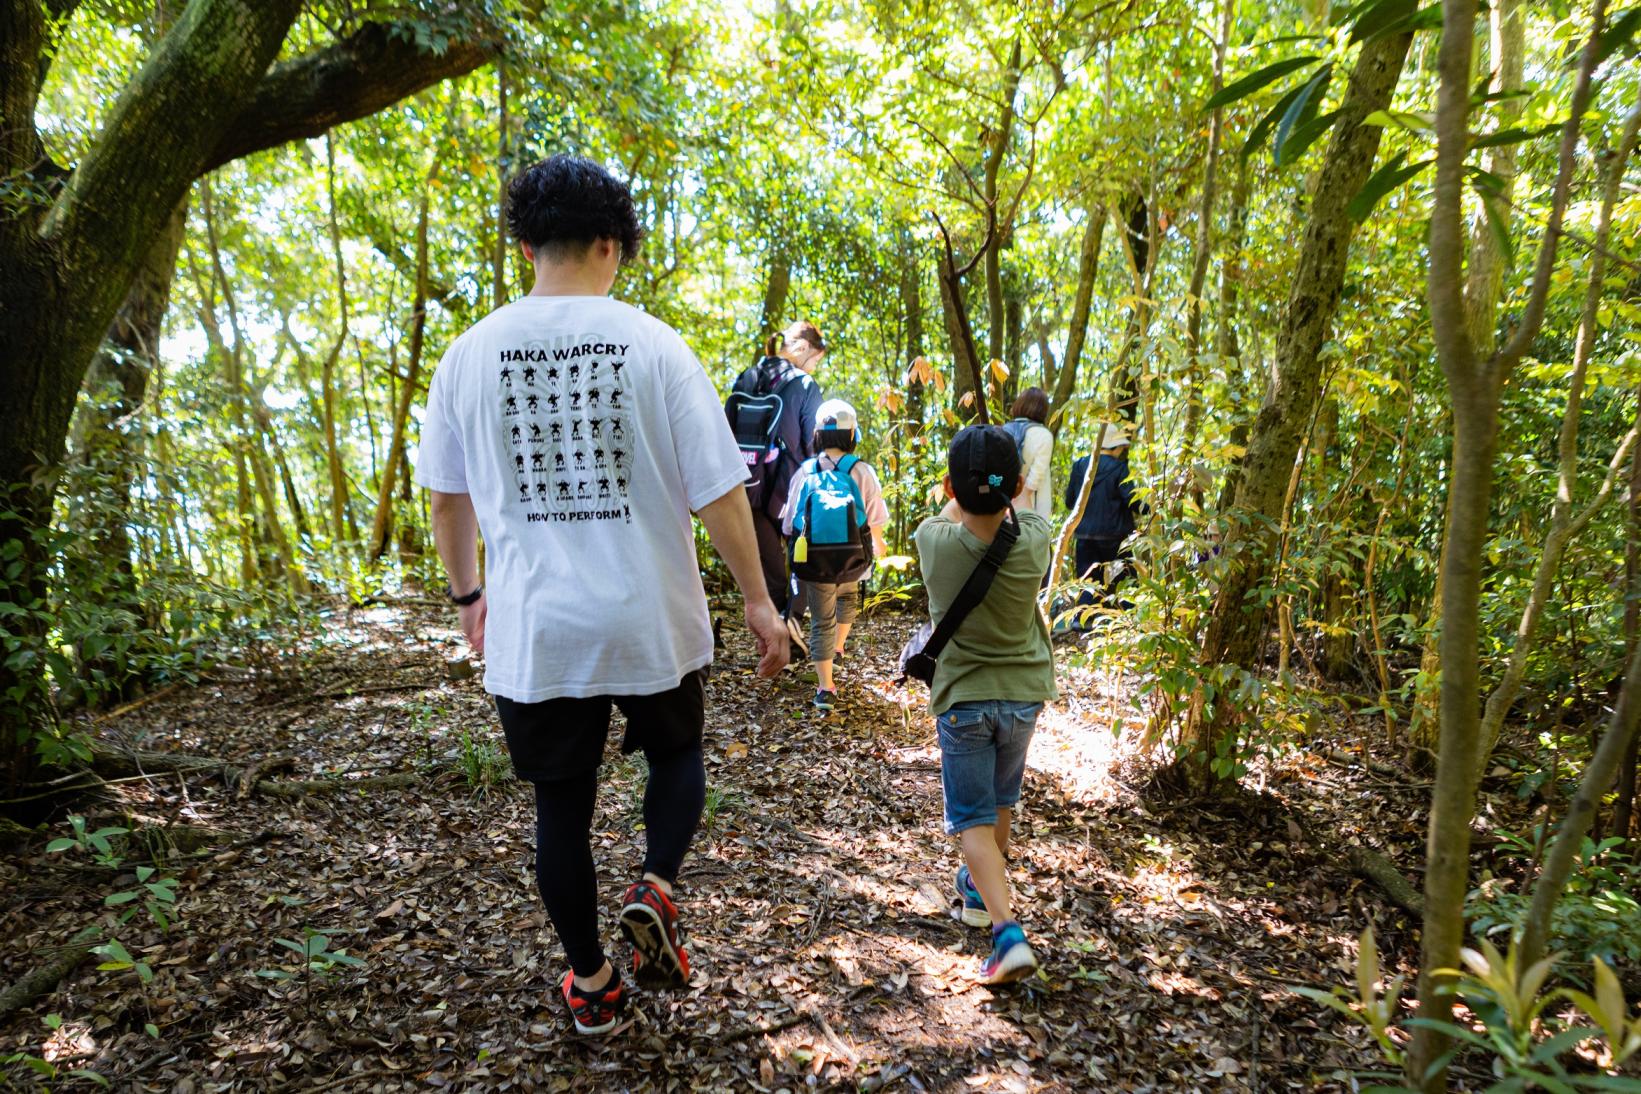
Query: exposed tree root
x: 43, y: 979
x: 118, y: 761
x: 298, y: 788
x: 1382, y: 872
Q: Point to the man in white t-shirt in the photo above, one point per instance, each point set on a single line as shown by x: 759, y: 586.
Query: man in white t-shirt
x: 578, y: 434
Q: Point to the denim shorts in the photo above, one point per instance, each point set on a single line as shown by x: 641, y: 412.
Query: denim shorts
x: 982, y: 758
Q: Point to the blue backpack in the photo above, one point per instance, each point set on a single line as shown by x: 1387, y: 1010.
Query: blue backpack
x: 830, y: 542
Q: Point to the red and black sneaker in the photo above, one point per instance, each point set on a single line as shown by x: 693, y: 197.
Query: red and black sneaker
x: 650, y: 922
x: 595, y: 1011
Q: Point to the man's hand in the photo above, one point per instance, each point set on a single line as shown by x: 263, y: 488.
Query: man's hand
x: 769, y: 631
x: 472, y: 618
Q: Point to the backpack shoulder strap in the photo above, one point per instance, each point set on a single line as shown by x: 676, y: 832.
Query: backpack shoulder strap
x: 975, y: 588
x: 847, y: 464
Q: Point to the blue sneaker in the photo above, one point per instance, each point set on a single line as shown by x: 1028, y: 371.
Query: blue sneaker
x: 825, y: 700
x: 974, y: 909
x: 1011, y: 958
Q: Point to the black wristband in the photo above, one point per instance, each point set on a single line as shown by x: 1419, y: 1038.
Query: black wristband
x: 464, y: 601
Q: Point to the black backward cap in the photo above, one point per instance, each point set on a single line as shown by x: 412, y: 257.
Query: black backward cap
x: 985, y: 468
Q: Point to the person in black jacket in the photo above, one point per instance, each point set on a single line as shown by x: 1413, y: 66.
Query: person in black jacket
x: 1109, y: 518
x: 786, y: 369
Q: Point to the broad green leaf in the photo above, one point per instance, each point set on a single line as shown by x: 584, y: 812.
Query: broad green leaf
x: 1257, y: 136
x: 1302, y: 109
x: 1513, y: 136
x: 1247, y: 85
x: 1378, y: 17
x: 1306, y: 135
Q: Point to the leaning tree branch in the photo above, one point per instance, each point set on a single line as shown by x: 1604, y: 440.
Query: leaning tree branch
x: 953, y: 277
x: 1532, y: 317
x: 371, y: 69
x: 143, y: 163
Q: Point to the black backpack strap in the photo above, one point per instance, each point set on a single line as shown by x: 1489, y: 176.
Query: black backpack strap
x: 975, y: 588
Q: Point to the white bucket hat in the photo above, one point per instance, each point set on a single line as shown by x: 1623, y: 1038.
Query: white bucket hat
x: 1114, y: 436
x: 836, y: 414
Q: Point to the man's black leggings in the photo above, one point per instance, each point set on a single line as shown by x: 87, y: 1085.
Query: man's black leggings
x: 558, y: 745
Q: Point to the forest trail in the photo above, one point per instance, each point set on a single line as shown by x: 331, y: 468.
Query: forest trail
x: 817, y: 903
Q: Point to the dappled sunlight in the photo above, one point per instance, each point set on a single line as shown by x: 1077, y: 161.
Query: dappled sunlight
x: 818, y: 903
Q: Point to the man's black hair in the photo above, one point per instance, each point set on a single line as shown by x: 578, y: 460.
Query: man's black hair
x: 565, y: 203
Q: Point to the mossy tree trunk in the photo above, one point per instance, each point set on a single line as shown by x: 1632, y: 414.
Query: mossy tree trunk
x: 68, y: 263
x: 1237, y: 623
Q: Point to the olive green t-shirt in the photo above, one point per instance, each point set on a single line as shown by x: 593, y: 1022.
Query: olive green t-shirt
x: 1001, y: 651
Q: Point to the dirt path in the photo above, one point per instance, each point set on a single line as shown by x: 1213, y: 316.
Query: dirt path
x: 817, y: 905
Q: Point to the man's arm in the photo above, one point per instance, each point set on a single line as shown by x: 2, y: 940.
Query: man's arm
x: 728, y: 523
x: 456, y: 537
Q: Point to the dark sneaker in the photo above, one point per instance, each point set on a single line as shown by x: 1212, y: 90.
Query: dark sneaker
x: 1011, y: 959
x: 594, y: 1011
x: 825, y: 700
x: 974, y: 908
x: 650, y: 922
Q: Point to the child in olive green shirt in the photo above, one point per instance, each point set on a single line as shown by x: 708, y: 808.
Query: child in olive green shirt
x: 991, y: 680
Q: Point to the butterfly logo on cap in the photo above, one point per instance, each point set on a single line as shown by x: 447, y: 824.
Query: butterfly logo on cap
x: 995, y: 480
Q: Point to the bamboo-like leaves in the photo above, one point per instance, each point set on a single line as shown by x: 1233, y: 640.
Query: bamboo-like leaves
x: 1390, y: 175
x: 1301, y: 111
x: 1247, y: 85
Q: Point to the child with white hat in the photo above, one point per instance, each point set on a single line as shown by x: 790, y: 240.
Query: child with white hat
x: 833, y: 604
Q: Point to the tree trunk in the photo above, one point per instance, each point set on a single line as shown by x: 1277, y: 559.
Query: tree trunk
x: 1204, y: 247
x: 911, y: 306
x: 1227, y: 344
x: 499, y: 249
x: 381, y: 531
x: 776, y: 287
x: 1483, y: 289
x: 1617, y: 742
x: 327, y: 374
x: 968, y: 396
x: 1624, y: 809
x: 1564, y: 523
x: 1338, y: 638
x: 66, y: 267
x: 999, y: 139
x: 1474, y: 384
x: 104, y: 432
x: 1088, y: 270
x: 247, y: 442
x: 1140, y: 244
x: 1013, y: 350
x: 1236, y: 624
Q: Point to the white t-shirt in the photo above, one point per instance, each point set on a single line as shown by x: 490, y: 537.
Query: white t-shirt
x: 1037, y: 472
x: 586, y: 432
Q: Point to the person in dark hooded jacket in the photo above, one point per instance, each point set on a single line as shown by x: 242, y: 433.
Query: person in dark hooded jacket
x: 1109, y: 518
x: 787, y: 369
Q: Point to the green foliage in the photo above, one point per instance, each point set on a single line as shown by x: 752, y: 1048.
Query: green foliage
x: 95, y: 844
x: 1520, y: 1026
x: 316, y: 960
x: 482, y: 763
x: 153, y: 893
x: 1598, y: 917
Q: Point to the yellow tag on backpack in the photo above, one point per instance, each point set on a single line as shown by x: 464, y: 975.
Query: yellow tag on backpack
x: 800, y: 549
